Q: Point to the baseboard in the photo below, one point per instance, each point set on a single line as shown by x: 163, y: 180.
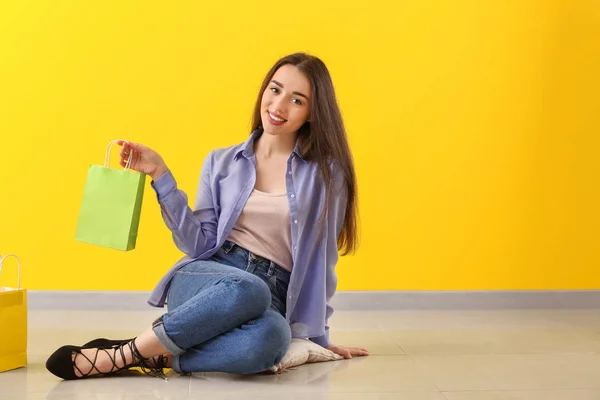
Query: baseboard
x: 347, y: 300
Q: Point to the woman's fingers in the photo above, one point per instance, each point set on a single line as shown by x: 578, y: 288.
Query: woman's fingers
x: 359, y: 352
x: 344, y: 352
x: 128, y: 148
x: 133, y: 146
x: 125, y: 158
x: 127, y: 145
x: 348, y: 352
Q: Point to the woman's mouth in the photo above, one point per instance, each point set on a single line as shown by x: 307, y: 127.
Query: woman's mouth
x: 275, y: 119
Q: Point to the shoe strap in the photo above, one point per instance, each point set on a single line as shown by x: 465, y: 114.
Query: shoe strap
x: 142, y: 363
x: 114, y: 367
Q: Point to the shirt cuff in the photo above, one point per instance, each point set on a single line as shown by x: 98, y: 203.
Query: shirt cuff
x: 164, y: 184
x: 322, y: 341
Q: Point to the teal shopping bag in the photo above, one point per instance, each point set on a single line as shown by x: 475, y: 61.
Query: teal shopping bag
x: 111, y: 206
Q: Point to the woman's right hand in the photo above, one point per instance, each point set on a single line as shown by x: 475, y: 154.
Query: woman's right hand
x: 144, y: 159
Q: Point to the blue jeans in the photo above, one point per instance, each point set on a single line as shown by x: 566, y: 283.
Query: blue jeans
x: 226, y: 314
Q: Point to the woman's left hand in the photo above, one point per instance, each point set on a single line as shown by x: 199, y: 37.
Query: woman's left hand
x: 348, y: 352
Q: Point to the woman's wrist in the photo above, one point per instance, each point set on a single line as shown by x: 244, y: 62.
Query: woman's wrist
x: 160, y: 171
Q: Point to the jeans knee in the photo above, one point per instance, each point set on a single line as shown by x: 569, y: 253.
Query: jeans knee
x: 280, y: 339
x: 272, y: 342
x: 252, y: 292
x: 269, y: 343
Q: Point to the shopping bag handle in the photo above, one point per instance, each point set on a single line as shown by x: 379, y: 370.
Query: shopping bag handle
x: 2, y: 259
x: 109, y: 149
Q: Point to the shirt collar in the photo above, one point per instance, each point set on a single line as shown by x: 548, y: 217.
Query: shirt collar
x: 247, y: 148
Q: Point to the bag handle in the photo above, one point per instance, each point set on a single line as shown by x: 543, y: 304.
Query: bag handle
x: 2, y: 259
x: 107, y: 155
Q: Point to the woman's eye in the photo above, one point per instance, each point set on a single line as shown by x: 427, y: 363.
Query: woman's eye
x: 274, y: 90
x: 297, y: 101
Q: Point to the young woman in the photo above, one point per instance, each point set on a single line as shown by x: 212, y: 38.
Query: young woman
x: 261, y: 243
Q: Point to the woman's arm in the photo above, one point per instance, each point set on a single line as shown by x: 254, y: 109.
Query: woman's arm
x: 338, y: 201
x: 194, y: 231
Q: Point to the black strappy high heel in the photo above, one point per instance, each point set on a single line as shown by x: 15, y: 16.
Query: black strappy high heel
x: 62, y: 364
x: 160, y: 362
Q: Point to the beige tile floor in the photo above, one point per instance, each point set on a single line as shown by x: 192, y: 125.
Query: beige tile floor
x: 416, y: 355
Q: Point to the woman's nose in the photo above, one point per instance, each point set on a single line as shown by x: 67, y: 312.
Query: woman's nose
x: 279, y: 105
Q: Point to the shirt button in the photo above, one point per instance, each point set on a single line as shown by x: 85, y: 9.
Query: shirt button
x: 293, y: 195
x: 295, y: 221
x: 289, y: 173
x: 290, y: 297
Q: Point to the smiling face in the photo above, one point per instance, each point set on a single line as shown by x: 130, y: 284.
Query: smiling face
x: 286, y: 101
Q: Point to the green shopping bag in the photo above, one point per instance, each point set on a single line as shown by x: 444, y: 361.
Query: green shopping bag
x: 111, y: 206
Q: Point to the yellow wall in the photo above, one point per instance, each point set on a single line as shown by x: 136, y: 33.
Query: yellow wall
x: 474, y: 125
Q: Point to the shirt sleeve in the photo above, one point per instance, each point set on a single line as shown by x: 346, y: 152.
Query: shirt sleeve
x: 194, y: 231
x: 335, y: 220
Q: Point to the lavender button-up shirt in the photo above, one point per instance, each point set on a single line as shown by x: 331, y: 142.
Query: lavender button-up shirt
x: 227, y: 178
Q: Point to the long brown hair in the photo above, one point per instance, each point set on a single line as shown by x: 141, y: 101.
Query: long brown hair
x: 323, y: 139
